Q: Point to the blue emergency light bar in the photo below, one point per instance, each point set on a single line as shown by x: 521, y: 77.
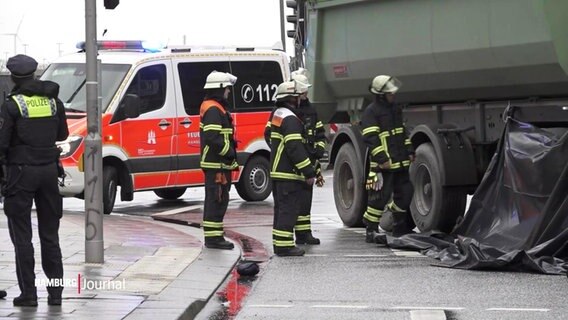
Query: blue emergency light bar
x: 125, y: 45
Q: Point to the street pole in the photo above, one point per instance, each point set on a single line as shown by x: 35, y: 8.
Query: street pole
x: 92, y: 156
x: 282, y: 26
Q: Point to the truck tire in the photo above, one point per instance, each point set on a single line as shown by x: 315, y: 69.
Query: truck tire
x: 170, y: 193
x: 254, y: 183
x: 433, y: 206
x: 348, y: 191
x: 110, y: 184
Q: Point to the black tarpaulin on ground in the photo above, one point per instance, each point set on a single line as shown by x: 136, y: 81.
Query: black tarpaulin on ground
x: 518, y: 216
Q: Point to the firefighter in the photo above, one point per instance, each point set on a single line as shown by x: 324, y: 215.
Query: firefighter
x: 291, y: 168
x: 391, y: 152
x: 315, y: 142
x: 32, y: 119
x: 218, y: 156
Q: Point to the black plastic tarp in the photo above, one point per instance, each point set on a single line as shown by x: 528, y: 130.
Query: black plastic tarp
x: 518, y: 216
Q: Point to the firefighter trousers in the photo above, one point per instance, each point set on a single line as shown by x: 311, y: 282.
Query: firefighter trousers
x: 395, y: 195
x: 303, y: 223
x: 26, y: 184
x: 216, y: 202
x: 286, y: 211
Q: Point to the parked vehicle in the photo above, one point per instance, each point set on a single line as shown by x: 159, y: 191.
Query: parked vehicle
x: 464, y: 65
x: 155, y: 144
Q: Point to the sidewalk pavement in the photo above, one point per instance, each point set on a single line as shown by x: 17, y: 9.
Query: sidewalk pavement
x: 152, y: 270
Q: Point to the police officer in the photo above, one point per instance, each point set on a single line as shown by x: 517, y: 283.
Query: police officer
x: 391, y: 153
x: 218, y: 156
x: 291, y: 168
x: 315, y: 142
x: 32, y: 119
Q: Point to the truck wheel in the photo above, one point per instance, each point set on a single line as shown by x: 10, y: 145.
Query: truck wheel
x: 170, y: 193
x: 255, y: 184
x: 433, y: 206
x: 348, y: 191
x: 110, y: 183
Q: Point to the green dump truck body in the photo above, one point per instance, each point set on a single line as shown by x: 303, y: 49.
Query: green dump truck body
x: 441, y: 50
x: 465, y: 65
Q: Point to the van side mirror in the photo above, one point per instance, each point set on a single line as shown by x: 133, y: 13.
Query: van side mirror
x: 131, y: 105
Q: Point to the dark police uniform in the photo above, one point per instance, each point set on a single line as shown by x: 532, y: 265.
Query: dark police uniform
x: 218, y: 159
x: 315, y: 141
x: 32, y: 119
x: 387, y: 141
x: 290, y: 167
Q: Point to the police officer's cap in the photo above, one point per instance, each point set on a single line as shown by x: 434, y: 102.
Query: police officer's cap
x: 21, y: 66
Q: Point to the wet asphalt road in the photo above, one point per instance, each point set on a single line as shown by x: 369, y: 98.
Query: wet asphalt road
x: 346, y: 278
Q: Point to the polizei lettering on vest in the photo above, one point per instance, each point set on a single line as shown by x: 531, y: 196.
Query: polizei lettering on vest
x: 38, y: 102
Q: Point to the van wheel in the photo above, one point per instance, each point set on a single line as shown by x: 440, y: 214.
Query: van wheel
x: 433, y: 206
x: 170, y: 193
x: 348, y: 189
x: 110, y: 183
x: 255, y: 183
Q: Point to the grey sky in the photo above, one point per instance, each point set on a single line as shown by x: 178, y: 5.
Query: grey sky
x: 50, y: 28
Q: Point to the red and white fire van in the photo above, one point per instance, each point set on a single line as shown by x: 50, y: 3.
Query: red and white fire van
x: 159, y: 149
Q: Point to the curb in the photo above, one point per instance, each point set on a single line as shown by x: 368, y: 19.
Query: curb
x: 188, y: 294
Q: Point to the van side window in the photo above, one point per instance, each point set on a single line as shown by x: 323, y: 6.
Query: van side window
x: 256, y: 85
x: 192, y: 76
x: 150, y: 85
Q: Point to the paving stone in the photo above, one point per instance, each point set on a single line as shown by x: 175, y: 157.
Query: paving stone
x: 162, y: 265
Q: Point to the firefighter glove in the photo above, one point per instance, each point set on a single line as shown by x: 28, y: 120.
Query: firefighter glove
x: 319, y: 180
x: 374, y: 181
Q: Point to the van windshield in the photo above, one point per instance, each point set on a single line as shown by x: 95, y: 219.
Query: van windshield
x: 71, y: 78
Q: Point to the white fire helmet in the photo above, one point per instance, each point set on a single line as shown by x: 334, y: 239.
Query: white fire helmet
x: 301, y: 77
x: 384, y: 84
x: 287, y: 89
x: 219, y: 80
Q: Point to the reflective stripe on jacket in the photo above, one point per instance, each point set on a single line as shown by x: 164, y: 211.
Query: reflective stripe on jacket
x: 385, y: 136
x: 289, y: 157
x: 314, y: 131
x: 218, y: 147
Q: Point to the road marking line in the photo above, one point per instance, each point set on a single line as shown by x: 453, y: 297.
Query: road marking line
x: 339, y: 306
x: 178, y: 210
x: 427, y: 308
x: 427, y: 315
x: 519, y: 309
x: 271, y: 305
x: 315, y: 255
x: 365, y: 255
x: 411, y: 254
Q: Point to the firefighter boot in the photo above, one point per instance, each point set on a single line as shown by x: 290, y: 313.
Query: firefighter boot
x: 370, y: 234
x: 400, y: 225
x: 306, y: 237
x: 219, y: 243
x: 288, y: 251
x: 371, y: 231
